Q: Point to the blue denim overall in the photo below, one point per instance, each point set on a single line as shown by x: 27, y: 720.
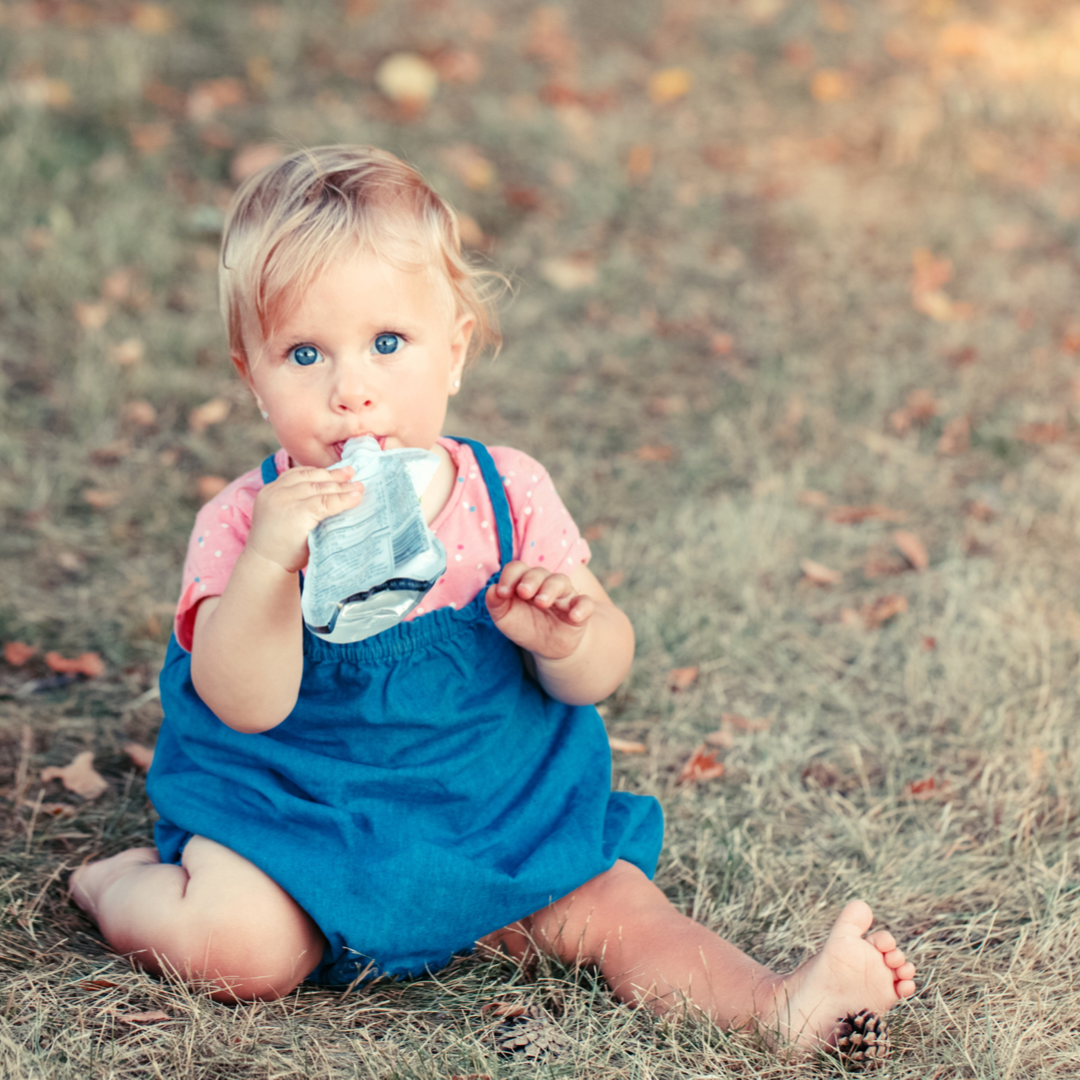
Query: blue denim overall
x: 424, y: 791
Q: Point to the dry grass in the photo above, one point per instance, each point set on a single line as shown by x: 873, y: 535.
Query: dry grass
x: 749, y: 336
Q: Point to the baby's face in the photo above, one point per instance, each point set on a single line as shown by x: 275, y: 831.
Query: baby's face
x: 370, y: 349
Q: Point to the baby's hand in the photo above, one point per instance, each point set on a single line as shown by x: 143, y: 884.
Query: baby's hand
x: 538, y: 610
x: 289, y: 508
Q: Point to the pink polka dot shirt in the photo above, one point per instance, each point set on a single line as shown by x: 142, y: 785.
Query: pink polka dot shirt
x: 544, y: 532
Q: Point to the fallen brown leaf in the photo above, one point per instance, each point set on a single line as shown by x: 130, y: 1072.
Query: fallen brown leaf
x: 469, y: 166
x: 700, y: 766
x: 820, y: 574
x: 669, y: 85
x: 855, y: 515
x: 922, y: 790
x: 956, y: 437
x: 1041, y: 434
x: 761, y: 723
x: 654, y: 453
x: 142, y: 1017
x: 209, y: 486
x: 100, y: 499
x: 210, y: 412
x: 141, y: 756
x: 80, y: 776
x: 682, y: 678
x: 248, y: 160
x: 140, y: 412
x: 883, y: 609
x: 91, y: 316
x: 16, y: 653
x: 912, y: 548
x: 829, y: 84
x: 625, y: 746
x: 88, y: 663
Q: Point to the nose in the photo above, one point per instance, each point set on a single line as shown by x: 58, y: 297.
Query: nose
x: 351, y: 391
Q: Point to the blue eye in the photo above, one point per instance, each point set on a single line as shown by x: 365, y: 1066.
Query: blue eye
x: 304, y: 355
x: 387, y: 344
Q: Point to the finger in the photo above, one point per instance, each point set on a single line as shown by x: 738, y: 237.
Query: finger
x: 578, y: 609
x: 508, y: 580
x: 552, y: 589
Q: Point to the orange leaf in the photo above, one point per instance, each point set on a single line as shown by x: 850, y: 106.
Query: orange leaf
x: 209, y: 486
x: 682, y: 678
x: 882, y: 610
x: 625, y: 746
x: 1041, y: 434
x: 761, y: 723
x: 80, y: 776
x: 210, y: 412
x: 469, y: 166
x: 16, y: 653
x: 855, y: 515
x: 91, y: 316
x: 88, y: 663
x: 921, y: 790
x: 654, y: 453
x: 700, y: 766
x: 829, y: 84
x: 912, y: 548
x: 669, y: 85
x: 100, y: 499
x: 819, y: 574
x: 140, y: 412
x: 249, y: 159
x: 141, y: 756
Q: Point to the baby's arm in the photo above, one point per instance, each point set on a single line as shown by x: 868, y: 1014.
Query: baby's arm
x: 581, y: 642
x: 247, y: 646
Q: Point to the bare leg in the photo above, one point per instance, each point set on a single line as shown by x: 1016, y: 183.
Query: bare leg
x: 217, y: 919
x: 651, y: 954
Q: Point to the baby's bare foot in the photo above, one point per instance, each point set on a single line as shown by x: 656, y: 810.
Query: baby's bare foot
x: 851, y: 972
x: 90, y: 881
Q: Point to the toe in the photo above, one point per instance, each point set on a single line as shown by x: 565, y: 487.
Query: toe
x: 894, y: 958
x: 905, y: 988
x: 905, y: 972
x: 883, y: 941
x: 858, y: 915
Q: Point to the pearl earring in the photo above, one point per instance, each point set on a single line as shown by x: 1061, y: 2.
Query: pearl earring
x: 265, y: 414
x: 457, y: 383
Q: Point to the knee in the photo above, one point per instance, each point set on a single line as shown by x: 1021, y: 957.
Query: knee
x: 261, y: 952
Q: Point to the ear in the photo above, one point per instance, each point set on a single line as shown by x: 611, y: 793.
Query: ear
x: 243, y: 369
x: 460, y: 337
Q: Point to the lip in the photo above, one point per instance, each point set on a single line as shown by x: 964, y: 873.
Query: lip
x: 339, y: 447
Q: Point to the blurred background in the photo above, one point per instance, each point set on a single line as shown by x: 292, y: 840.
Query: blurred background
x: 792, y: 324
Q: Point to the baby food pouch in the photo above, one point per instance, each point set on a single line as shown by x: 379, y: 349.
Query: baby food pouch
x: 369, y: 566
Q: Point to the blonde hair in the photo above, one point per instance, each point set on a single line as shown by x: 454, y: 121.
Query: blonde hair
x: 293, y: 218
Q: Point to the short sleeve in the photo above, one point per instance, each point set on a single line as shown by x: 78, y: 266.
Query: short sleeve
x: 544, y: 532
x: 220, y: 533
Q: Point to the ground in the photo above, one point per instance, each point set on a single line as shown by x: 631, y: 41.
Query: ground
x: 791, y: 322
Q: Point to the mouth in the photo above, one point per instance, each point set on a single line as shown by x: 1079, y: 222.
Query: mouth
x: 339, y: 447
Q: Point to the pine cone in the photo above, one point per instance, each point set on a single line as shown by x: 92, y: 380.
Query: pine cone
x: 861, y: 1040
x: 533, y: 1034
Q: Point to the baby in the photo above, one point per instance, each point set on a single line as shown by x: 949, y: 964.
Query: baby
x: 333, y: 811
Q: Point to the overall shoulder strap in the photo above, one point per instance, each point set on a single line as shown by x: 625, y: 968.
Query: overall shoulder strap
x: 497, y: 493
x: 269, y: 470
